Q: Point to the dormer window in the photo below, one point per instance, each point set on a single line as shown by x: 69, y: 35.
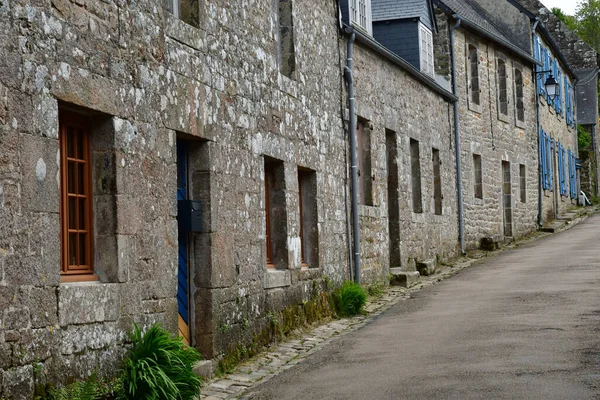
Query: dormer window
x: 426, y: 50
x: 360, y: 15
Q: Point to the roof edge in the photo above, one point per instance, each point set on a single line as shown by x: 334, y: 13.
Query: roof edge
x: 379, y: 48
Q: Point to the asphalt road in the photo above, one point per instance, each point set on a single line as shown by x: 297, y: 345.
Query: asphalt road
x: 523, y: 325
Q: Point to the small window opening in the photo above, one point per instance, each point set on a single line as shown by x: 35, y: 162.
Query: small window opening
x: 437, y: 182
x: 275, y: 214
x: 307, y: 200
x: 415, y: 164
x: 474, y: 74
x: 365, y: 174
x: 186, y: 10
x: 502, y: 88
x: 520, y: 103
x: 478, y: 187
x: 522, y: 183
x: 287, y: 50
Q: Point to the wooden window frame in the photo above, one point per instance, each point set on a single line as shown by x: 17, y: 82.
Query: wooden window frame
x: 478, y: 176
x: 519, y: 88
x: 474, y: 96
x: 80, y: 126
x: 502, y: 78
x: 523, y: 183
x: 301, y: 177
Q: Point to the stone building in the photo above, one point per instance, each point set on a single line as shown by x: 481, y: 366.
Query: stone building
x: 583, y: 60
x: 115, y: 118
x: 497, y: 119
x: 189, y: 163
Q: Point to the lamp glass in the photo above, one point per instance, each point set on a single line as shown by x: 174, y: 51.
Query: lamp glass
x: 551, y: 86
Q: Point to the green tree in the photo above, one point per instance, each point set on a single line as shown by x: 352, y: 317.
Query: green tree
x: 588, y: 19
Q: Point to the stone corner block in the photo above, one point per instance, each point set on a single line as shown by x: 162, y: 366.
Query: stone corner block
x: 277, y: 278
x: 426, y: 267
x: 204, y: 369
x: 84, y: 303
x: 403, y: 278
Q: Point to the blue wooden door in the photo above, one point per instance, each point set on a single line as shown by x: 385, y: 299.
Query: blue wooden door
x: 183, y: 276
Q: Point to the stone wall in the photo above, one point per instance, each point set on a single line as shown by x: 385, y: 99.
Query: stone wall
x: 553, y: 204
x: 147, y: 80
x: 400, y: 108
x: 496, y: 139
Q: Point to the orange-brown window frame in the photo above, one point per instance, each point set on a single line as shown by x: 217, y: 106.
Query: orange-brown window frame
x: 76, y: 218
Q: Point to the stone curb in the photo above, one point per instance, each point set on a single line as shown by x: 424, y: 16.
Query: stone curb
x: 285, y: 355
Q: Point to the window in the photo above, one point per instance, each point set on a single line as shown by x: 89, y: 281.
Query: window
x: 478, y: 186
x: 507, y: 199
x: 502, y: 88
x: 186, y: 10
x: 287, y: 51
x: 77, y: 260
x: 360, y: 14
x: 519, y: 97
x: 307, y: 200
x: 473, y: 76
x: 415, y: 166
x: 522, y: 183
x: 572, y: 174
x: 275, y: 214
x: 426, y: 43
x: 365, y: 174
x: 437, y: 182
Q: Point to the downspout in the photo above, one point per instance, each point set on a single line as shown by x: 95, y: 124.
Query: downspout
x: 348, y: 74
x: 461, y: 236
x: 537, y: 107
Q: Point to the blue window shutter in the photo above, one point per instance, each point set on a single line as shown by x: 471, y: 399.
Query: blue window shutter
x: 567, y: 101
x: 543, y: 158
x: 559, y: 94
x: 550, y: 165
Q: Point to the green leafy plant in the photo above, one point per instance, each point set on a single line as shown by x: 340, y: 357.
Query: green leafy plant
x: 349, y: 299
x: 79, y: 390
x: 159, y: 367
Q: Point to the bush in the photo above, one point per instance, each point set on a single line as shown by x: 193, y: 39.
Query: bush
x: 349, y: 299
x: 159, y: 367
x: 91, y: 389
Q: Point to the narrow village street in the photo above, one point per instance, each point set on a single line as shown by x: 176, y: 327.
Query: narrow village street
x: 523, y: 325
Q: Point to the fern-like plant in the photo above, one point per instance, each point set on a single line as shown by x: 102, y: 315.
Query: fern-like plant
x: 79, y: 390
x: 349, y: 299
x: 159, y: 367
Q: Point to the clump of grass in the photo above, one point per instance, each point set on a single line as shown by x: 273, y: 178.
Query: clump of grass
x: 159, y: 367
x: 349, y: 299
x: 92, y: 388
x: 376, y: 289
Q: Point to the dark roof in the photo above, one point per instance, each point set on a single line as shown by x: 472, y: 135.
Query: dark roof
x: 386, y: 10
x: 586, y: 95
x: 411, y: 70
x: 476, y: 17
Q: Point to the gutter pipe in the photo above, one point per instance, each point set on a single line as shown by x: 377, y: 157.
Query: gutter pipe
x: 537, y: 107
x: 349, y: 76
x: 461, y: 236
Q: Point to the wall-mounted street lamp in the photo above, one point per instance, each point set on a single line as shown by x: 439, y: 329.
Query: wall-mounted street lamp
x: 551, y: 85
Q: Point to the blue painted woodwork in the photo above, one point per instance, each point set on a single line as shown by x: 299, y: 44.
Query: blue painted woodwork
x: 183, y: 281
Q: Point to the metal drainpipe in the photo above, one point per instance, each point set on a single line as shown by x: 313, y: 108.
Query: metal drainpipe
x: 461, y: 237
x: 348, y: 74
x: 537, y: 106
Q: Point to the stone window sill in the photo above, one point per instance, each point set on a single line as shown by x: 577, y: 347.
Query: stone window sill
x: 503, y: 118
x: 275, y: 278
x: 520, y: 124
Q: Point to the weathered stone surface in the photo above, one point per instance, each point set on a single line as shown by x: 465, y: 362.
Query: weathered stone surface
x: 87, y: 303
x: 18, y: 382
x: 403, y: 278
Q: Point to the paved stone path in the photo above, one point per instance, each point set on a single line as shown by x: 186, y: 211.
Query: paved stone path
x: 283, y: 356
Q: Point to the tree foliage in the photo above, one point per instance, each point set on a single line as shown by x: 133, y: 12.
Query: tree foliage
x: 567, y: 19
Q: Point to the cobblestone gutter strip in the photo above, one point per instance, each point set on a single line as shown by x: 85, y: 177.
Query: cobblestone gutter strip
x: 285, y: 355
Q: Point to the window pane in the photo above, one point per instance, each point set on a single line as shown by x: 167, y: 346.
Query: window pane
x: 80, y: 141
x: 81, y: 178
x: 72, y: 212
x: 71, y: 177
x: 70, y: 142
x: 82, y: 249
x: 72, y: 249
x: 81, y: 211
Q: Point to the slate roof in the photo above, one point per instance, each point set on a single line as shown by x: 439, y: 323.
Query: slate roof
x: 586, y: 91
x: 492, y: 25
x: 385, y: 10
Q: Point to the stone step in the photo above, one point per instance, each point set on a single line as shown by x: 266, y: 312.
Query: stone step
x: 426, y: 267
x: 490, y: 243
x: 553, y: 227
x: 204, y: 369
x: 403, y: 278
x: 570, y: 216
